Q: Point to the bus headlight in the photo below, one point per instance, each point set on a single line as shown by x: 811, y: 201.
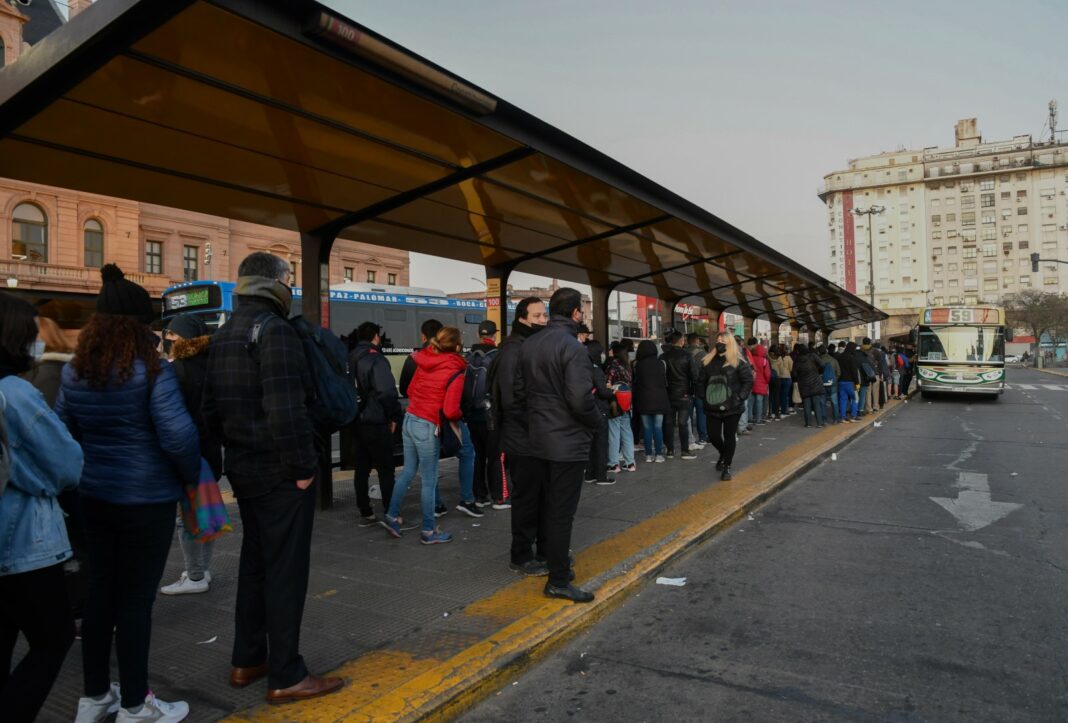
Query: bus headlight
x: 992, y: 376
x: 927, y: 373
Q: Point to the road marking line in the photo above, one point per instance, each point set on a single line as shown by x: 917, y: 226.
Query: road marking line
x: 1024, y: 386
x: 1054, y: 387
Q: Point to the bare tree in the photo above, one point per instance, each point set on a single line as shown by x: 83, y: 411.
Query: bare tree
x: 1037, y: 311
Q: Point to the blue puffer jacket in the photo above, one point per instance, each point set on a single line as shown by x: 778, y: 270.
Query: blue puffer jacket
x: 44, y: 462
x: 139, y: 441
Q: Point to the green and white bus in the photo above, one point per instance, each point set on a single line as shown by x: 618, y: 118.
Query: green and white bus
x: 961, y: 349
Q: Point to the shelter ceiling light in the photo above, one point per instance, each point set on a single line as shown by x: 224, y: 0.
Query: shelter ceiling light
x: 345, y: 35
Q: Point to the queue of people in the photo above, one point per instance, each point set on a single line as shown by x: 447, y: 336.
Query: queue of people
x: 121, y: 427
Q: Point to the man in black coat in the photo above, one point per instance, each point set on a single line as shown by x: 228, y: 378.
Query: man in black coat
x: 682, y: 372
x: 380, y: 413
x: 257, y: 403
x: 555, y: 389
x: 508, y: 417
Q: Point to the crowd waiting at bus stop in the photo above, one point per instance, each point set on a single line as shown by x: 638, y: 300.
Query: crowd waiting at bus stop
x: 111, y: 444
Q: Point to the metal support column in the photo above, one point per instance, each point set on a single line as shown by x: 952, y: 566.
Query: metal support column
x: 497, y: 297
x: 315, y: 307
x: 599, y: 322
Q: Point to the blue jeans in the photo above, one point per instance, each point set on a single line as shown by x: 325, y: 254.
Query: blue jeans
x: 813, y: 405
x: 847, y: 399
x: 863, y: 396
x: 786, y: 385
x: 620, y: 440
x: 465, y: 458
x: 831, y: 397
x: 756, y: 407
x: 697, y: 412
x: 653, y: 429
x: 422, y: 445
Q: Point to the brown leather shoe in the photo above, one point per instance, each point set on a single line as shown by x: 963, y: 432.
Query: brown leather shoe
x: 241, y: 677
x: 310, y: 687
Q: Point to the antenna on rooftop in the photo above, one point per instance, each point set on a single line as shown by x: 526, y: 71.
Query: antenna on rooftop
x: 1053, y: 121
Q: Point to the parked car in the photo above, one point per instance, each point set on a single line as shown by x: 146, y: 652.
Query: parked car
x: 1012, y: 359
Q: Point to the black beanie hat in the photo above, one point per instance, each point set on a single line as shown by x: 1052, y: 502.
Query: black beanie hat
x: 121, y: 297
x: 188, y: 326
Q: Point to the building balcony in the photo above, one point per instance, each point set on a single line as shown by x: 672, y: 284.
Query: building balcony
x: 37, y: 276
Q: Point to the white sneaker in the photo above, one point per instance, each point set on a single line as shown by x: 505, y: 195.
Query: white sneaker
x: 697, y: 445
x: 185, y: 586
x: 374, y: 492
x: 156, y: 711
x: 93, y: 711
x: 659, y: 458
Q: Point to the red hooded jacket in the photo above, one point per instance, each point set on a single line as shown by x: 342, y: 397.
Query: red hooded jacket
x: 427, y: 395
x: 761, y: 369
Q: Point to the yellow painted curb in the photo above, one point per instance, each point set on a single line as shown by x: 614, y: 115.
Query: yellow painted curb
x: 392, y: 686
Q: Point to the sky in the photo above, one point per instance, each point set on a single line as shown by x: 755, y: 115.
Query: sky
x: 742, y: 108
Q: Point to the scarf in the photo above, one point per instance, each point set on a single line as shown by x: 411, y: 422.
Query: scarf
x: 264, y: 288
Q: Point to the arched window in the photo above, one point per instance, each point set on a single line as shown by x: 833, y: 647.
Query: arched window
x: 93, y: 237
x: 29, y: 233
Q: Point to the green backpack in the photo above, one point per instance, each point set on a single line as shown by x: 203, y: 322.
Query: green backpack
x: 717, y: 394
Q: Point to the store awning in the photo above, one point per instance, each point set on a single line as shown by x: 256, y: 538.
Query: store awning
x: 286, y: 114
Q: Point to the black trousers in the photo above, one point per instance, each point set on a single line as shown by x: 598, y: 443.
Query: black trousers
x: 128, y: 547
x: 678, y: 419
x: 723, y: 434
x: 597, y: 464
x: 34, y: 603
x: 273, y: 581
x: 561, y: 485
x: 528, y: 529
x: 489, y: 479
x: 372, y: 447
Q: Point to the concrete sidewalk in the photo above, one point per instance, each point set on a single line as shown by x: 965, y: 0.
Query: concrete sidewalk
x: 421, y: 631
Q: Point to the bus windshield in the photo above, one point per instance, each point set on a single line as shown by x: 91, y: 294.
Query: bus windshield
x: 962, y: 344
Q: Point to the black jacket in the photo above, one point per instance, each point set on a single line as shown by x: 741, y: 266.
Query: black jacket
x: 682, y: 374
x: 554, y: 388
x: 602, y: 394
x: 407, y: 372
x: 379, y: 403
x: 847, y: 361
x: 46, y: 374
x: 191, y: 367
x: 808, y: 373
x: 650, y: 381
x: 507, y: 414
x: 739, y: 380
x: 258, y: 405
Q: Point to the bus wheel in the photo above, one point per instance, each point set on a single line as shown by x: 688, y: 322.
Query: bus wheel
x: 926, y: 395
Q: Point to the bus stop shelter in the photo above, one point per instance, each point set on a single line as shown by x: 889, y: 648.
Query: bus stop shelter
x: 284, y: 113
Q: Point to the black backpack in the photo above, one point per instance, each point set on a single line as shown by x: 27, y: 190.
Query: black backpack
x: 336, y: 400
x: 477, y: 399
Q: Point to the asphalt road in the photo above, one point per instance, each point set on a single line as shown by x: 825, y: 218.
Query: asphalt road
x: 923, y: 576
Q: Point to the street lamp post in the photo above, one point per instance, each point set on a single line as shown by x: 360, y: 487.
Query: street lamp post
x: 870, y: 211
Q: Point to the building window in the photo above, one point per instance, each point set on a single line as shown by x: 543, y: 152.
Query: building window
x: 93, y: 243
x: 1050, y: 281
x: 294, y: 275
x: 1021, y: 211
x: 952, y: 268
x: 1006, y: 195
x: 1024, y: 244
x: 29, y: 233
x: 348, y: 273
x: 989, y: 217
x: 936, y: 234
x: 987, y: 200
x: 1022, y: 193
x: 1025, y: 280
x: 153, y: 257
x: 970, y: 252
x: 938, y: 283
x: 967, y: 202
x: 987, y: 184
x: 968, y: 235
x: 951, y: 218
x: 370, y: 277
x: 391, y: 279
x: 190, y: 262
x: 990, y: 267
x: 936, y: 219
x: 938, y: 300
x: 970, y: 268
x: 989, y: 233
x: 967, y: 218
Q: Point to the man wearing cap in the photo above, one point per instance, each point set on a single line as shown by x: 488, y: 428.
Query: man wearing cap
x: 380, y: 412
x: 584, y: 333
x: 489, y: 481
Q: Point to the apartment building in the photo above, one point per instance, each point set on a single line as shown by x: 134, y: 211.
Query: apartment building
x: 957, y: 225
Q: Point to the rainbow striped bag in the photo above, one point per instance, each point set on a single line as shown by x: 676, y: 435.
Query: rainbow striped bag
x: 204, y: 514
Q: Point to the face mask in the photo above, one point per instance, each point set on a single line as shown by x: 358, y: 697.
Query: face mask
x: 37, y: 349
x: 721, y: 348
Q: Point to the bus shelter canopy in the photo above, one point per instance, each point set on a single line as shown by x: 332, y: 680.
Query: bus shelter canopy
x: 284, y: 113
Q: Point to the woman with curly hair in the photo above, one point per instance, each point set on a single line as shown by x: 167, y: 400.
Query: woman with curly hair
x: 124, y: 405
